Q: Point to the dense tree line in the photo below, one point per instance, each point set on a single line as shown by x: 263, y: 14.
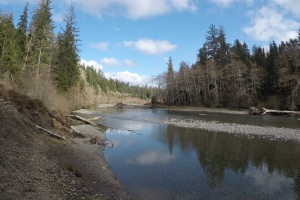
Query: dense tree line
x: 97, y: 80
x: 230, y: 75
x: 34, y: 50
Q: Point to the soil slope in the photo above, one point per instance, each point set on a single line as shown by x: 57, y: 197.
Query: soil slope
x: 34, y: 165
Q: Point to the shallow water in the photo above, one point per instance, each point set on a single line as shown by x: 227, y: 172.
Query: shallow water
x: 158, y: 161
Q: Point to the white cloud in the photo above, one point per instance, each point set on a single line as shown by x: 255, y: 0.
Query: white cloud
x: 91, y: 63
x: 226, y: 3
x: 269, y: 24
x: 111, y: 62
x: 289, y: 5
x: 271, y: 182
x: 145, y: 8
x: 129, y: 62
x: 58, y: 17
x: 131, y: 78
x: 151, y: 47
x: 7, y: 2
x: 116, y: 28
x: 153, y: 157
x: 102, y: 46
x: 135, y: 9
x: 184, y: 5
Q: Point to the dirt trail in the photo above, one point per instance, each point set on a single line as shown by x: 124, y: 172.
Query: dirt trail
x: 34, y: 165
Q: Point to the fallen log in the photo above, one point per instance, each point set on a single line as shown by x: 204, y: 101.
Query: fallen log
x: 279, y: 112
x: 76, y: 132
x: 82, y: 119
x: 95, y: 118
x: 50, y: 133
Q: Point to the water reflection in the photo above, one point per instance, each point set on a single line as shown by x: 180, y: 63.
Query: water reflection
x: 152, y: 157
x: 178, y: 163
x: 274, y: 162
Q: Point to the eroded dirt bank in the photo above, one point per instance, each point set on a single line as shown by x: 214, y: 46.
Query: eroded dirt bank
x: 34, y: 165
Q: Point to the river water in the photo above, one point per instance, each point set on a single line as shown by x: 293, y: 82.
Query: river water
x: 159, y: 161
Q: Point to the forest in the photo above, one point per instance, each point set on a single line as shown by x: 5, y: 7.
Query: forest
x: 225, y: 75
x: 33, y: 57
x: 231, y: 76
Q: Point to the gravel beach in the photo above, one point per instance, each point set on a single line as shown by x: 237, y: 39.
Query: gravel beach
x: 269, y: 132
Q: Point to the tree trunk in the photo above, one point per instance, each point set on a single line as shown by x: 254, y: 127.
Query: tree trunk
x: 264, y: 111
x: 279, y: 112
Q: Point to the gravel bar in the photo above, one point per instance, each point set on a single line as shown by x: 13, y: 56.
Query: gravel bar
x: 269, y: 132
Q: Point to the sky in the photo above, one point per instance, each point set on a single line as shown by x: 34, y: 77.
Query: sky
x: 132, y: 40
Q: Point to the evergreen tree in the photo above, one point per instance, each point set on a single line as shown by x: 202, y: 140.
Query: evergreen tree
x: 272, y: 73
x: 21, y: 35
x: 258, y: 56
x: 237, y: 49
x: 202, y: 56
x: 170, y: 83
x: 8, y: 54
x: 246, y: 54
x: 66, y: 68
x: 215, y: 47
x: 241, y: 51
x: 222, y: 51
x: 212, y: 41
x: 41, y: 38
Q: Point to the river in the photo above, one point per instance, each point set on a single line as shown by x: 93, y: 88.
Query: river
x: 159, y: 161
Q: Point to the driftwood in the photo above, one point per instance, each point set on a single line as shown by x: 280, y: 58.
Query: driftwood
x: 50, y: 133
x: 122, y: 129
x: 82, y: 119
x: 95, y: 118
x: 109, y: 145
x: 120, y: 105
x: 279, y: 112
x: 78, y: 133
x: 264, y: 111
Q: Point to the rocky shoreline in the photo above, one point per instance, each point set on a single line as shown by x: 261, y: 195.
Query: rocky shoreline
x: 272, y: 133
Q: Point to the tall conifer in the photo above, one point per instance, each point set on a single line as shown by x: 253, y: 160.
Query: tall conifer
x: 66, y: 70
x: 41, y: 37
x: 22, y: 29
x: 8, y: 54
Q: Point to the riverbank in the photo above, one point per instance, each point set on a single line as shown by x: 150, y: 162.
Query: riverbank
x: 34, y: 165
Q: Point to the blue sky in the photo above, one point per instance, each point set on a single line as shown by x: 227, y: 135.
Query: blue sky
x: 131, y: 40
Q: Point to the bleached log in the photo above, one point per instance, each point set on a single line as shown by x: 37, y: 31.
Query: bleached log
x: 82, y: 119
x: 279, y: 112
x: 50, y: 133
x: 95, y: 118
